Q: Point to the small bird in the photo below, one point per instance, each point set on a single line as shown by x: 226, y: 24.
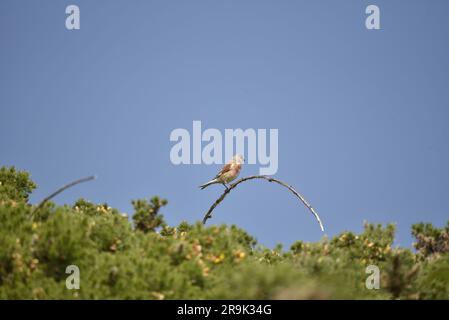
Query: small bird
x: 229, y: 172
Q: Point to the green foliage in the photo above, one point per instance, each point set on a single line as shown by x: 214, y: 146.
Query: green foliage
x: 15, y: 185
x: 146, y: 214
x: 433, y: 282
x: 148, y: 259
x: 430, y: 240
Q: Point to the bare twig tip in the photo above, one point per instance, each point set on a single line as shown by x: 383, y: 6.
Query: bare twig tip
x: 71, y: 184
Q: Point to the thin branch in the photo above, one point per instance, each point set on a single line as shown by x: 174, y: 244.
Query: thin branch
x: 208, y: 215
x: 69, y: 185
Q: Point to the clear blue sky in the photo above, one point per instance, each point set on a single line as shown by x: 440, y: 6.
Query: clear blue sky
x: 362, y: 115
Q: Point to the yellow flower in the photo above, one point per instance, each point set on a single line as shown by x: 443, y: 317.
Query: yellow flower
x: 239, y: 255
x: 158, y: 295
x: 34, y: 263
x: 102, y: 209
x: 197, y: 248
x: 219, y: 259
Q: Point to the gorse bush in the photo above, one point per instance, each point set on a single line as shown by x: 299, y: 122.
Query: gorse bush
x: 146, y: 216
x: 147, y: 259
x: 15, y: 185
x: 431, y: 241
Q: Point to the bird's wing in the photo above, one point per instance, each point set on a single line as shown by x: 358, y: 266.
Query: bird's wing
x: 227, y: 167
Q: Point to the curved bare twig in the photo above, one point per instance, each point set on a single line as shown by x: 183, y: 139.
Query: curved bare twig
x: 208, y: 214
x: 54, y: 194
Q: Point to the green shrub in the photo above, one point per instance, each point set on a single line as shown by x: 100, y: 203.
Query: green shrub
x: 15, y: 185
x: 148, y: 259
x: 430, y: 240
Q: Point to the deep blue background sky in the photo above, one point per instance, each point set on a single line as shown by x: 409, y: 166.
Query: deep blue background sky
x: 362, y: 115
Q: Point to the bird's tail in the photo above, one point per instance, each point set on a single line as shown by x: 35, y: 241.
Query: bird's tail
x: 209, y: 183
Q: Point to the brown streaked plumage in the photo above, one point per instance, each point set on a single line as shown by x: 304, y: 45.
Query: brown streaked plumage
x: 229, y: 172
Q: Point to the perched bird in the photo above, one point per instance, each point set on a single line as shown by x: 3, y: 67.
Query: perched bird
x: 229, y: 172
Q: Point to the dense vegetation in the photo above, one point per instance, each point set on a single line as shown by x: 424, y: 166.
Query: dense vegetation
x: 147, y: 259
